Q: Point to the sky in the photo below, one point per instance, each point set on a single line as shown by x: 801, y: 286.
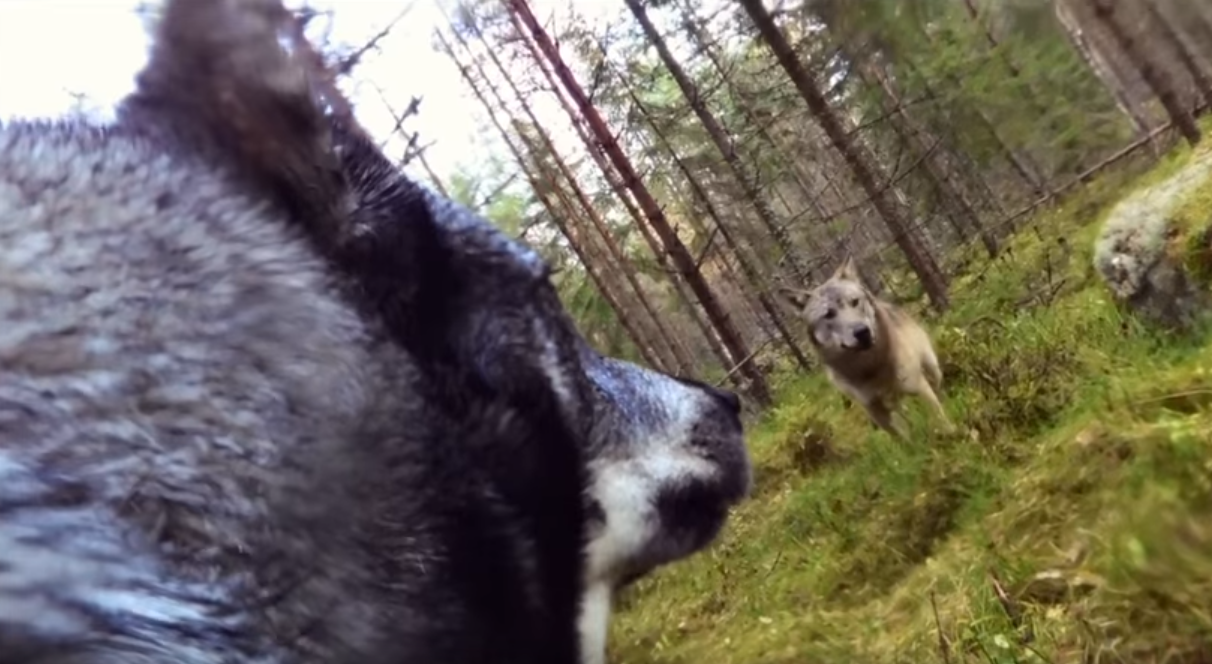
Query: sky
x: 54, y: 51
x: 107, y: 45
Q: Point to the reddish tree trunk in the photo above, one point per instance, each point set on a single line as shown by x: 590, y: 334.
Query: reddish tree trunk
x: 678, y: 253
x: 703, y: 43
x: 624, y: 197
x: 681, y: 358
x: 723, y: 143
x: 751, y: 273
x: 864, y: 168
x: 620, y: 313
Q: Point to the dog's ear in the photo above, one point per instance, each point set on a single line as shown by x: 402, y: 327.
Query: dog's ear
x: 230, y: 79
x: 847, y: 270
x: 795, y: 298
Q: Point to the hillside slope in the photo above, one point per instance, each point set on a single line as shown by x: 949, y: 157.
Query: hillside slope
x: 1070, y: 522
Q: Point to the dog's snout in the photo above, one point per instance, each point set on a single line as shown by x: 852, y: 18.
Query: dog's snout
x: 862, y: 334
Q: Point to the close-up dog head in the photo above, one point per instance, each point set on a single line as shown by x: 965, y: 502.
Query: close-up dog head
x: 666, y: 464
x: 475, y: 472
x: 665, y: 456
x: 841, y: 314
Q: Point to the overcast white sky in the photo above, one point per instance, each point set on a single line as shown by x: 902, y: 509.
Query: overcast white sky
x: 54, y: 48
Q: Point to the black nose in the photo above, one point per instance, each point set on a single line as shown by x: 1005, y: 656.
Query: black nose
x: 729, y: 398
x: 862, y: 335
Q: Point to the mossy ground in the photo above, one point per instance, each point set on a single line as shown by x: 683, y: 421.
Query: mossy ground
x: 1192, y: 221
x: 1070, y: 522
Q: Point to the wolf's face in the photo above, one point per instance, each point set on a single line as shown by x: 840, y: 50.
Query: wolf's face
x: 842, y: 316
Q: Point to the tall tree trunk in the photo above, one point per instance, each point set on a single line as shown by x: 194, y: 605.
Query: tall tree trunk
x: 763, y: 295
x: 916, y: 252
x: 1016, y: 72
x: 1102, y: 67
x: 1021, y: 162
x: 747, y: 266
x: 789, y: 165
x: 955, y: 201
x: 681, y: 358
x: 1199, y: 27
x: 1203, y: 83
x: 1159, y: 82
x: 975, y: 15
x: 620, y: 190
x: 678, y: 252
x: 623, y: 316
x: 723, y: 143
x: 564, y: 217
x: 694, y: 217
x: 948, y: 123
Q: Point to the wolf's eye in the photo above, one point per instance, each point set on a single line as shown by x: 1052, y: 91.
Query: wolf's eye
x: 854, y: 302
x: 830, y: 313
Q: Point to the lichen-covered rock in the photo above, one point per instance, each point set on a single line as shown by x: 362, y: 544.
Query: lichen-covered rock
x: 1138, y: 255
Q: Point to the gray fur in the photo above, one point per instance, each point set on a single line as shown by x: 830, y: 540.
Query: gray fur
x: 873, y: 351
x: 173, y: 357
x: 665, y: 467
x: 243, y: 418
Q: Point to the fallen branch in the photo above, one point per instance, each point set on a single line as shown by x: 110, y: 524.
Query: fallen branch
x: 1083, y: 177
x: 1013, y: 612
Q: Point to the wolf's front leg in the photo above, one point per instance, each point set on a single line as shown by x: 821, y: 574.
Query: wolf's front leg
x: 926, y: 392
x: 881, y: 414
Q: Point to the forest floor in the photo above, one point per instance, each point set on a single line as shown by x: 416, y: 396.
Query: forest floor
x: 1070, y: 522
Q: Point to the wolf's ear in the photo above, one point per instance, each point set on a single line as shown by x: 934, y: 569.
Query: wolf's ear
x: 847, y: 270
x: 795, y: 298
x: 221, y: 82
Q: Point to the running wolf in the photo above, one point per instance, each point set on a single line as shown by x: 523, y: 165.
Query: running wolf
x: 873, y: 351
x: 264, y: 399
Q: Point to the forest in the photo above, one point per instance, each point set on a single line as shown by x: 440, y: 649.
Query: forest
x: 682, y: 165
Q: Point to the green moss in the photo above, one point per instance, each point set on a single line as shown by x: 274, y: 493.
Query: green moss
x: 1192, y: 223
x: 1070, y: 522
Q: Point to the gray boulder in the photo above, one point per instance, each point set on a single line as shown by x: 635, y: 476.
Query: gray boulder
x: 1140, y: 255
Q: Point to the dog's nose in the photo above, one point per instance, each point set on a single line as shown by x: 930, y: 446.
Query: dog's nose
x: 862, y: 334
x: 730, y: 399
